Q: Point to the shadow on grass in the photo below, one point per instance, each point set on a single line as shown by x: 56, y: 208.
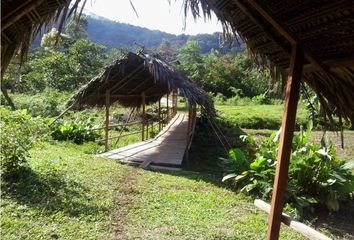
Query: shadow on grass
x: 206, y: 149
x: 49, y: 192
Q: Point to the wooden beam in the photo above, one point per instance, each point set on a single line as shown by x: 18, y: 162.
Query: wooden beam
x: 335, y: 63
x: 287, y: 131
x: 131, y: 74
x: 286, y: 33
x: 143, y: 116
x: 139, y: 85
x: 124, y: 96
x: 106, y: 129
x: 261, y: 25
x: 18, y: 13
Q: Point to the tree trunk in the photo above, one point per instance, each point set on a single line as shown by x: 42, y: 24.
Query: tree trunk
x: 7, y: 97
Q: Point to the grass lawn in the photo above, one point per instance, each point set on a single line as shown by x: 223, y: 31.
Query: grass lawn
x: 68, y: 194
x: 259, y: 116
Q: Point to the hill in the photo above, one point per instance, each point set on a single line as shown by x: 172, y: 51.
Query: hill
x: 114, y: 34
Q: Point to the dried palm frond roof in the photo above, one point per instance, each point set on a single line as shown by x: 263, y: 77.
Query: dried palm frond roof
x: 324, y: 29
x: 131, y: 75
x: 21, y: 20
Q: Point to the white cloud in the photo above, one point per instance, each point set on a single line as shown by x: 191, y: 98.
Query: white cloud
x: 153, y: 14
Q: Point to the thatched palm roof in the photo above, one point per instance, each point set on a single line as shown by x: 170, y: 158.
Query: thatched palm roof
x: 323, y: 28
x: 21, y: 20
x: 131, y: 75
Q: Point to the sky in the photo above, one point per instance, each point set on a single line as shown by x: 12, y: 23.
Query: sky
x: 153, y: 14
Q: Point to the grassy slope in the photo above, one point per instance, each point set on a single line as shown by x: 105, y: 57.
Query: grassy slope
x: 73, y: 195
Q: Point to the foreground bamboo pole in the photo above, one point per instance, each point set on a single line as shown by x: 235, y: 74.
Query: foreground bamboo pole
x: 287, y: 131
x: 143, y: 116
x: 297, y: 226
x: 159, y: 115
x: 106, y: 129
x: 168, y: 110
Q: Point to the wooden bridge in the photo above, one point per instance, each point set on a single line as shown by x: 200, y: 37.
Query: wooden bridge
x: 166, y: 151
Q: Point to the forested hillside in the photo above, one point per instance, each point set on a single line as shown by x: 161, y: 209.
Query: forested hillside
x: 121, y: 35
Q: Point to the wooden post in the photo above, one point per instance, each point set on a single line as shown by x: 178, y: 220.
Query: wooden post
x: 341, y: 132
x: 159, y: 115
x: 143, y: 116
x: 147, y: 129
x: 107, y: 121
x: 168, y: 110
x: 175, y: 102
x: 287, y: 131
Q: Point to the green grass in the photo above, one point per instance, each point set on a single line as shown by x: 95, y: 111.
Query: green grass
x: 258, y: 116
x: 67, y: 194
x: 193, y: 206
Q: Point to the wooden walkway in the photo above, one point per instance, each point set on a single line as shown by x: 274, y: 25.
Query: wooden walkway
x: 165, y: 151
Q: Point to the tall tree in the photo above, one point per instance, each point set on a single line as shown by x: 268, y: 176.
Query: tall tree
x: 167, y: 51
x: 77, y: 28
x: 191, y: 61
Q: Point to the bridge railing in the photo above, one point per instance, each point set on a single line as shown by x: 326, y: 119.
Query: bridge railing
x: 148, y: 128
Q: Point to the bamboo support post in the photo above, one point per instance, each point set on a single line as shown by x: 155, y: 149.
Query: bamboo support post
x: 147, y: 130
x: 287, y: 131
x: 168, y: 110
x: 341, y: 132
x: 143, y: 116
x: 173, y: 103
x: 106, y: 129
x: 159, y: 115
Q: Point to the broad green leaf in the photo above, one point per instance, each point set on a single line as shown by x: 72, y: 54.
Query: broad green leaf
x: 238, y: 155
x: 348, y: 165
x: 228, y: 176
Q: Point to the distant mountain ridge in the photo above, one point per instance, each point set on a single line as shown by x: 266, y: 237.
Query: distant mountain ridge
x: 114, y: 34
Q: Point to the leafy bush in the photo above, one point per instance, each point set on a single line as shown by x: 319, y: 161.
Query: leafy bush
x: 261, y: 99
x: 219, y: 98
x: 49, y: 103
x: 78, y: 132
x: 19, y: 132
x: 316, y: 176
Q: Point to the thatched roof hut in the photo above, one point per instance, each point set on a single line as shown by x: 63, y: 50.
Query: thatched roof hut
x: 133, y: 74
x: 323, y: 28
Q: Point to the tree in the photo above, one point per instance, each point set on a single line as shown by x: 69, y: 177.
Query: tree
x: 77, y: 28
x: 191, y: 61
x: 53, y: 40
x: 88, y: 59
x: 166, y: 51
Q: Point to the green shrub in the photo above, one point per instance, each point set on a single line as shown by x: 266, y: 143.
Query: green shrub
x: 49, y: 103
x: 219, y: 98
x: 261, y: 99
x: 19, y: 132
x: 316, y: 176
x: 78, y: 132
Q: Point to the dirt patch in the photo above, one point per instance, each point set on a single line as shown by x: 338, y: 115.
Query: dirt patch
x: 126, y: 193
